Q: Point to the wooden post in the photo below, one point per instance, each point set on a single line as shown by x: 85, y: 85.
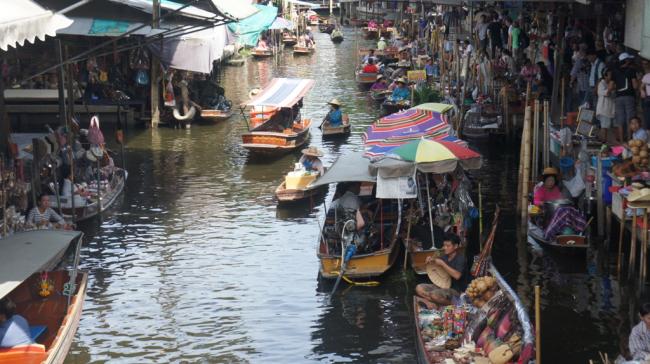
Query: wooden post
x: 644, y: 246
x: 547, y: 138
x: 526, y: 167
x: 562, y: 104
x: 535, y: 142
x: 538, y: 328
x: 506, y: 111
x: 155, y: 70
x: 632, y: 263
x: 599, y: 198
x: 70, y: 89
x: 63, y: 115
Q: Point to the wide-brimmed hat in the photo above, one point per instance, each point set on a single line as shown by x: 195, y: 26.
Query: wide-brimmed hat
x: 335, y: 102
x: 312, y: 151
x: 401, y: 79
x: 379, y: 77
x: 97, y: 151
x: 550, y: 171
x: 382, y: 38
x: 90, y: 156
x: 438, y: 275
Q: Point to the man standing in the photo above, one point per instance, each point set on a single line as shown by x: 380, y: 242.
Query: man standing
x: 481, y: 31
x: 626, y: 84
x: 595, y: 73
x: 494, y: 31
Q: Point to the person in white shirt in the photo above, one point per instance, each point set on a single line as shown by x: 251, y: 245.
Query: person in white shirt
x: 605, y: 106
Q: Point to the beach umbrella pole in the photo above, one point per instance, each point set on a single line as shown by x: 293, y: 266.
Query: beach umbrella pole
x: 433, y: 242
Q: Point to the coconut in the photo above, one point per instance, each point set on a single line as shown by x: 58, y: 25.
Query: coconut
x: 643, y: 153
x: 636, y: 159
x: 635, y: 150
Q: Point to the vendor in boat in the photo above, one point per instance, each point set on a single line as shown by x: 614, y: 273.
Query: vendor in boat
x: 66, y: 186
x: 380, y: 84
x: 310, y: 34
x: 639, y: 341
x: 42, y: 215
x: 548, y: 189
x: 453, y: 263
x: 334, y: 117
x: 371, y: 67
x: 350, y: 201
x: 401, y: 92
x: 14, y: 329
x: 262, y: 45
x: 369, y: 56
x: 310, y: 160
x: 381, y: 45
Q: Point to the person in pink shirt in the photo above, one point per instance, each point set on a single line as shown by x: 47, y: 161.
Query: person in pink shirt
x: 548, y: 189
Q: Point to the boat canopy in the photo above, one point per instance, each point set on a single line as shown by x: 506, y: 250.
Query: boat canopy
x: 282, y: 92
x: 402, y: 127
x: 434, y: 107
x: 351, y: 167
x: 26, y: 253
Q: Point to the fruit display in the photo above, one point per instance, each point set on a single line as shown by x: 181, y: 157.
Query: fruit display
x: 481, y: 290
x: 640, y: 153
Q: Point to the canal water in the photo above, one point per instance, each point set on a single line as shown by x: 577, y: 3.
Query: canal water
x: 196, y: 264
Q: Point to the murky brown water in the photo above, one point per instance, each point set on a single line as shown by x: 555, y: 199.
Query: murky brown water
x: 196, y: 264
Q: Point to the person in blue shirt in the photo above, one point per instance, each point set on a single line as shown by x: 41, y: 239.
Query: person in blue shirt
x: 334, y: 117
x: 14, y: 329
x: 310, y: 160
x: 401, y: 92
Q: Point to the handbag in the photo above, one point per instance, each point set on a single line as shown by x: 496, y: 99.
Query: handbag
x: 95, y: 135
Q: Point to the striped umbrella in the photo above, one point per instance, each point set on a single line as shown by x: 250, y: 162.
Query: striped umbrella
x: 437, y: 156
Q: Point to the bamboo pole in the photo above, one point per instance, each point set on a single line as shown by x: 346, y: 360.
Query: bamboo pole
x: 599, y: 198
x: 562, y: 117
x: 644, y: 246
x: 547, y: 130
x: 632, y: 263
x: 526, y: 167
x: 535, y: 142
x: 621, y: 231
x: 480, y: 215
x: 538, y: 329
x: 407, y: 244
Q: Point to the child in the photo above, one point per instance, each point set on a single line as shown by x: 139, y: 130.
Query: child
x: 638, y: 133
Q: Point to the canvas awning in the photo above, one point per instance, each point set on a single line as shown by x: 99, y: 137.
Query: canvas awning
x: 187, y: 11
x: 248, y: 30
x: 29, y: 252
x: 24, y: 20
x: 282, y: 92
x: 351, y: 167
x: 236, y: 10
x: 108, y: 28
x: 281, y: 23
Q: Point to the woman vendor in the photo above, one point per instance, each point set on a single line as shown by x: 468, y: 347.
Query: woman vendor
x: 453, y: 263
x: 380, y: 85
x: 548, y: 189
x: 639, y: 341
x: 402, y: 92
x: 310, y: 160
x: 334, y: 117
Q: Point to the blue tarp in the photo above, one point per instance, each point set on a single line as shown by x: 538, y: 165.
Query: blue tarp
x: 249, y: 29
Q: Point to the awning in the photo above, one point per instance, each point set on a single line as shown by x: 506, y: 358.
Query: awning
x: 236, y: 10
x: 248, y: 30
x: 187, y: 11
x: 304, y: 3
x: 281, y: 23
x: 24, y: 20
x: 282, y: 92
x: 26, y: 253
x: 107, y: 28
x: 351, y: 167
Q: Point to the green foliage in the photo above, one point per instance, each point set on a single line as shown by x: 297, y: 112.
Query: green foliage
x: 426, y: 94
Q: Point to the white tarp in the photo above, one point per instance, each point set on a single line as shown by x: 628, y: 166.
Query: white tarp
x: 235, y: 9
x: 187, y: 11
x: 194, y: 52
x: 24, y: 20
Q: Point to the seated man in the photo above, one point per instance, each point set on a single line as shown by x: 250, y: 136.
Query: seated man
x: 370, y: 67
x: 451, y: 262
x: 42, y: 215
x: 334, y: 117
x: 639, y: 341
x: 14, y: 329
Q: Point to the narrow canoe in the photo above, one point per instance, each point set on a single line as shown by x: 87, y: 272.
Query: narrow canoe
x: 299, y: 50
x: 288, y: 196
x: 331, y: 132
x: 215, y: 115
x: 562, y: 242
x: 262, y: 53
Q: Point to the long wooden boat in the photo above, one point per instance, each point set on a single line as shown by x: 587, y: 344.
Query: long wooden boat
x: 261, y: 53
x: 391, y: 107
x: 563, y: 242
x: 326, y: 28
x: 337, y: 131
x: 109, y: 195
x: 285, y: 196
x: 53, y: 319
x: 379, y: 96
x: 300, y: 50
x: 289, y: 41
x: 365, y: 79
x: 487, y: 323
x: 214, y: 115
x: 276, y: 143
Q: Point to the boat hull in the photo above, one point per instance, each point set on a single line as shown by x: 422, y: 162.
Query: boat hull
x: 362, y: 266
x: 302, y: 51
x: 334, y: 132
x: 215, y: 115
x: 392, y: 107
x: 273, y: 143
x: 337, y: 39
x: 93, y: 209
x: 289, y: 42
x: 365, y: 79
x: 262, y: 53
x: 561, y: 242
x: 418, y: 259
x: 285, y: 196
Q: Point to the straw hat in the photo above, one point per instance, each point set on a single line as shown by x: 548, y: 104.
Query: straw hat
x: 379, y: 77
x: 335, y: 102
x: 438, y: 275
x: 382, y: 38
x: 550, y: 171
x: 401, y: 79
x: 254, y: 92
x: 313, y: 152
x: 90, y: 156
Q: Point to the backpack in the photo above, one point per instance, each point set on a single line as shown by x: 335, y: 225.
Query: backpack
x: 524, y: 41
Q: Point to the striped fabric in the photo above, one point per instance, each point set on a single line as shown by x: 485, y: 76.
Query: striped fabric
x: 282, y: 92
x: 397, y: 129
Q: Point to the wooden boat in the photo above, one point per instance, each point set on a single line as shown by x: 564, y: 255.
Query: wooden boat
x: 109, y: 195
x: 326, y: 28
x: 365, y: 79
x: 504, y: 302
x: 214, y: 115
x: 275, y: 143
x: 236, y: 61
x: 391, y: 107
x: 261, y: 53
x: 301, y: 50
x: 336, y: 131
x: 53, y: 319
x: 289, y: 41
x: 562, y: 242
x: 370, y: 33
x: 336, y: 37
x: 379, y: 96
x: 299, y: 191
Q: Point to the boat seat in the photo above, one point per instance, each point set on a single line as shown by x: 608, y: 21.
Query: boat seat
x: 36, y: 331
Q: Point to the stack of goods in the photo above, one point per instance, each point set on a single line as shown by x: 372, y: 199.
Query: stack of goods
x: 299, y: 178
x: 639, y: 151
x: 481, y: 290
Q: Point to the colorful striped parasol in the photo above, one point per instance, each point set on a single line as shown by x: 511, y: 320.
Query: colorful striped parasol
x: 437, y: 156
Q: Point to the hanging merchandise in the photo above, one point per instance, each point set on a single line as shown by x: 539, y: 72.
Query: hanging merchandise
x: 170, y: 100
x: 95, y: 135
x: 139, y: 61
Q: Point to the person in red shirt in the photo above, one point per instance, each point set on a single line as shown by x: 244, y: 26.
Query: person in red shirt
x: 371, y: 67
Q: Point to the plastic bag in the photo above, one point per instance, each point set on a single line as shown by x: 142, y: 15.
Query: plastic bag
x: 95, y: 135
